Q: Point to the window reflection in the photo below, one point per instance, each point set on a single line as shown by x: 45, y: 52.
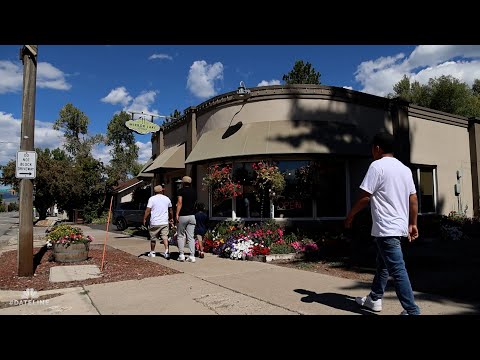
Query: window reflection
x: 247, y: 206
x: 296, y: 199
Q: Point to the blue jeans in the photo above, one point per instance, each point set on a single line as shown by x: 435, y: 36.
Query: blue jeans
x: 390, y: 262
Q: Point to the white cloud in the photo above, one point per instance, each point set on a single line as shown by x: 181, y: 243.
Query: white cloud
x: 144, y: 151
x: 11, y: 77
x: 348, y: 87
x: 45, y: 136
x: 140, y: 103
x: 102, y: 153
x: 143, y: 102
x: 160, y: 56
x: 202, y: 76
x: 118, y: 96
x: 267, y: 83
x: 48, y: 76
x: 426, y: 61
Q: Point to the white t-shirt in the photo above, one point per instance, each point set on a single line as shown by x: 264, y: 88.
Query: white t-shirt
x: 159, y: 205
x: 390, y: 183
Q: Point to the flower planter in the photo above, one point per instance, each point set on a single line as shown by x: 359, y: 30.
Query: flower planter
x: 285, y: 257
x: 260, y: 258
x: 70, y: 253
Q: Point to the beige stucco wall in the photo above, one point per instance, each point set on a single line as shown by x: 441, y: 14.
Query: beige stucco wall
x: 175, y: 136
x: 370, y: 120
x: 447, y: 146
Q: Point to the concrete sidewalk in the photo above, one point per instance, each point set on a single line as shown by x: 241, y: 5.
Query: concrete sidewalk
x: 222, y: 286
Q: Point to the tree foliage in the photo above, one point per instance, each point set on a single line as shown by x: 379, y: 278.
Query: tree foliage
x: 176, y: 114
x: 74, y: 124
x: 444, y: 93
x: 124, y: 151
x: 302, y: 73
x: 52, y: 180
x: 73, y: 179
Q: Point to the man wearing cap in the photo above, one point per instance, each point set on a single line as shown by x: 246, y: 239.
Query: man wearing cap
x: 185, y: 217
x: 159, y: 207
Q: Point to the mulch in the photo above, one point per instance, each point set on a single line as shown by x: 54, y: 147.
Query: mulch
x: 118, y: 266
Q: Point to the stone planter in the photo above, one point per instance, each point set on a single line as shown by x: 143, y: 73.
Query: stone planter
x: 260, y: 258
x: 71, y: 253
x: 285, y: 257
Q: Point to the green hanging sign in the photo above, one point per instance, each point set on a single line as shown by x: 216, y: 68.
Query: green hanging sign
x: 142, y: 126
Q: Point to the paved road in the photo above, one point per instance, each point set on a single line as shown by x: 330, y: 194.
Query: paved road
x: 7, y: 220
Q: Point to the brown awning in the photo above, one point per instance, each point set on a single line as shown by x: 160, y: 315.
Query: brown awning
x: 171, y: 158
x: 280, y: 137
x: 142, y: 174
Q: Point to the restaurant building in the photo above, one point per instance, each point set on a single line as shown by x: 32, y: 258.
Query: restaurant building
x: 321, y: 131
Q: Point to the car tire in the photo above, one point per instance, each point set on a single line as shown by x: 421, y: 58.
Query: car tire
x: 121, y: 224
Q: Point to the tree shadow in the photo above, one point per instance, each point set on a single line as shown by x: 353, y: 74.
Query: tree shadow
x: 37, y: 258
x: 334, y: 300
x: 339, y: 124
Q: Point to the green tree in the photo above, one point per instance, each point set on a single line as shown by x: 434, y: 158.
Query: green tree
x: 74, y: 124
x: 83, y: 185
x: 8, y: 177
x: 136, y: 168
x: 444, y: 93
x: 476, y: 87
x: 124, y: 151
x: 175, y: 114
x: 302, y: 73
x: 53, y: 182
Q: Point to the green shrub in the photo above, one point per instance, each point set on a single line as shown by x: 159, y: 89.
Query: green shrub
x: 290, y: 238
x: 281, y: 249
x: 102, y: 219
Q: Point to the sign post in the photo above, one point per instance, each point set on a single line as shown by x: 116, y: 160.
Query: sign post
x: 26, y: 167
x: 28, y: 55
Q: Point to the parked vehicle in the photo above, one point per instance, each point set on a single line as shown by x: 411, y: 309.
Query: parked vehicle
x: 128, y: 214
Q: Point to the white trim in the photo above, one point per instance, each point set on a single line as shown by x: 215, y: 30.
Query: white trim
x: 138, y: 182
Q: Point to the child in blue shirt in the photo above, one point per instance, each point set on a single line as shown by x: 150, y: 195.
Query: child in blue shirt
x: 201, y: 227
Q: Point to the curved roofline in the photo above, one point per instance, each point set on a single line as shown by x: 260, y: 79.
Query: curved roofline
x: 271, y: 92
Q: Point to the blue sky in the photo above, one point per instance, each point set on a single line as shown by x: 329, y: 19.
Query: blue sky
x: 102, y: 80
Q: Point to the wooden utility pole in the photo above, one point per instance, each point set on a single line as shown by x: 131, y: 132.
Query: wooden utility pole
x: 28, y: 55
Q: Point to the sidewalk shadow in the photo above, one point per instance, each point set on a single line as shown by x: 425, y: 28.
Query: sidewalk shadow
x: 37, y: 258
x: 159, y: 254
x: 337, y: 301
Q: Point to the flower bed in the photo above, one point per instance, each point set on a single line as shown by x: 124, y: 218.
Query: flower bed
x: 260, y: 242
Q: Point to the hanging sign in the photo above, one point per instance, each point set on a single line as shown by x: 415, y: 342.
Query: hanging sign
x: 142, y: 126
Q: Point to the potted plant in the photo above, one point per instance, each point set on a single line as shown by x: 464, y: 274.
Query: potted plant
x: 268, y: 178
x: 219, y: 180
x: 69, y: 244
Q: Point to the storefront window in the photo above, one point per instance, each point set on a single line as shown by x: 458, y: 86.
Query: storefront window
x: 296, y: 200
x: 247, y: 205
x: 221, y: 206
x: 329, y: 187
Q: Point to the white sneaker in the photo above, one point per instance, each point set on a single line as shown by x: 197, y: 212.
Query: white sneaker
x: 152, y: 254
x: 191, y: 259
x: 404, y: 312
x: 367, y: 302
x: 181, y: 257
x: 166, y: 255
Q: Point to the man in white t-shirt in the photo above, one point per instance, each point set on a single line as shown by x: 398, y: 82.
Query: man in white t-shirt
x: 159, y: 207
x: 388, y: 186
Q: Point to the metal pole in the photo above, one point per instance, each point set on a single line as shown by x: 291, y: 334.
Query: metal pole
x: 28, y: 55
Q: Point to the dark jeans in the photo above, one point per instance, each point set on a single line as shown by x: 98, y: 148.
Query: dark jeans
x: 390, y: 262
